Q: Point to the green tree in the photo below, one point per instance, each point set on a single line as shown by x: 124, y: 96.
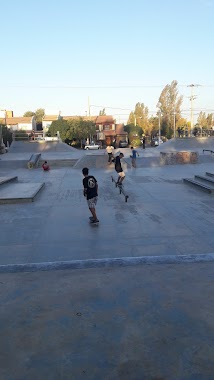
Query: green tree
x: 202, y: 120
x: 102, y: 112
x: 169, y: 103
x: 61, y: 126
x: 29, y: 114
x: 210, y: 120
x: 139, y: 117
x: 39, y: 113
x: 134, y: 132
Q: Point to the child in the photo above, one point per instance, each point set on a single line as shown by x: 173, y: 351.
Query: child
x: 90, y: 191
x: 134, y: 156
x: 109, y: 150
x: 45, y: 166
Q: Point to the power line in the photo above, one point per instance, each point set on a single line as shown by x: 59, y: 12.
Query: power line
x: 93, y: 87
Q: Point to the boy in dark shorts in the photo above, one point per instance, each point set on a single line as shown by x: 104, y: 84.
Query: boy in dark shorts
x: 90, y: 191
x: 119, y: 169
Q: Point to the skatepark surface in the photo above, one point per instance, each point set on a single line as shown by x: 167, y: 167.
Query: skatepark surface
x: 152, y: 320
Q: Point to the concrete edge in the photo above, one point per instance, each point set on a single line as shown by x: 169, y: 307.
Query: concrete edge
x: 107, y: 263
x: 29, y: 199
x: 8, y: 179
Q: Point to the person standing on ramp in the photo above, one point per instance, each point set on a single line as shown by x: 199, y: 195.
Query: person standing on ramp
x: 90, y: 191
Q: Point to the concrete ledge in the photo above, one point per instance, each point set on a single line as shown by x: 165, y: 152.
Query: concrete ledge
x: 178, y: 158
x: 7, y: 179
x: 106, y: 263
x: 20, y: 192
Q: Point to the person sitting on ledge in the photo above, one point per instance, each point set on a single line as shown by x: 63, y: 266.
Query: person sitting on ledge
x: 45, y: 166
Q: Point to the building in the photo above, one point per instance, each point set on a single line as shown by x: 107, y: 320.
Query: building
x: 48, y: 119
x: 107, y: 131
x: 19, y: 123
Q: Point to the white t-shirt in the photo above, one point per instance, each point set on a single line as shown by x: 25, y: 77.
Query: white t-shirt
x: 109, y: 149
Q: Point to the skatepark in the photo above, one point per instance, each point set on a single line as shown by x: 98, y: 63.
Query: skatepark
x: 129, y: 299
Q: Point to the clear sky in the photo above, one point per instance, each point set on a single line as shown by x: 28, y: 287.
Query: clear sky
x: 57, y: 53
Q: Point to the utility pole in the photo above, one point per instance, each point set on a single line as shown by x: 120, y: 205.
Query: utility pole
x: 89, y: 107
x: 159, y: 127
x: 192, y: 97
x: 174, y: 124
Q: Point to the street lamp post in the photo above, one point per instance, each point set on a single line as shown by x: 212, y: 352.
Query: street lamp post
x: 159, y: 126
x: 174, y: 124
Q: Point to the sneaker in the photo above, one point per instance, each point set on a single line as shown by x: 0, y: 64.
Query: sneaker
x: 94, y: 221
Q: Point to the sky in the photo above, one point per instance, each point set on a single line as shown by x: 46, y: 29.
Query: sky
x: 64, y: 55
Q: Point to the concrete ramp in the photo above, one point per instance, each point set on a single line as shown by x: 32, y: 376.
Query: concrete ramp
x: 97, y: 161
x: 196, y: 144
x: 39, y: 147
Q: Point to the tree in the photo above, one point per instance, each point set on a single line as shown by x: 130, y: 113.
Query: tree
x: 39, y: 113
x: 169, y: 103
x: 133, y: 131
x: 102, y: 112
x: 29, y: 114
x: 61, y: 126
x: 183, y: 126
x: 139, y: 117
x: 69, y: 130
x: 153, y: 126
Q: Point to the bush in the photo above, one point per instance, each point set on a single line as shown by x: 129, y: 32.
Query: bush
x: 135, y: 142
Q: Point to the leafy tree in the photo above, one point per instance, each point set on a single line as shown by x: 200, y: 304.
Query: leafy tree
x: 102, y: 112
x: 153, y: 126
x: 134, y: 131
x: 202, y: 120
x: 140, y: 117
x: 39, y: 113
x: 210, y: 120
x: 29, y: 114
x: 169, y: 103
x: 61, y: 126
x: 69, y: 130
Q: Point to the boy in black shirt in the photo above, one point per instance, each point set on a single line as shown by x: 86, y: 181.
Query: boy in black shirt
x: 119, y: 169
x: 91, y: 192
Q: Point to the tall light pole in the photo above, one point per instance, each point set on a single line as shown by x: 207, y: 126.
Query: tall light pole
x: 174, y: 124
x: 159, y: 126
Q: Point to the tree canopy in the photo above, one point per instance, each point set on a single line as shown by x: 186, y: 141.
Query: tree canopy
x: 139, y: 117
x: 102, y: 112
x: 29, y: 114
x: 73, y: 129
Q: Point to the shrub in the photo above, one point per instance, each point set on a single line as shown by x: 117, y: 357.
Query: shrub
x: 135, y: 142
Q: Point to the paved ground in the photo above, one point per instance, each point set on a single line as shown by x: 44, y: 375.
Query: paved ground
x: 140, y: 323
x: 162, y: 216
x: 145, y: 322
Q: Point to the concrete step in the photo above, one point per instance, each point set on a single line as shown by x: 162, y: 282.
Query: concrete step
x: 210, y: 174
x: 200, y: 185
x: 19, y: 192
x: 4, y: 180
x: 203, y: 178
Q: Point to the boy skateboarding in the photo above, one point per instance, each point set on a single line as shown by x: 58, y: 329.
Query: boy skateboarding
x: 90, y: 191
x: 119, y: 170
